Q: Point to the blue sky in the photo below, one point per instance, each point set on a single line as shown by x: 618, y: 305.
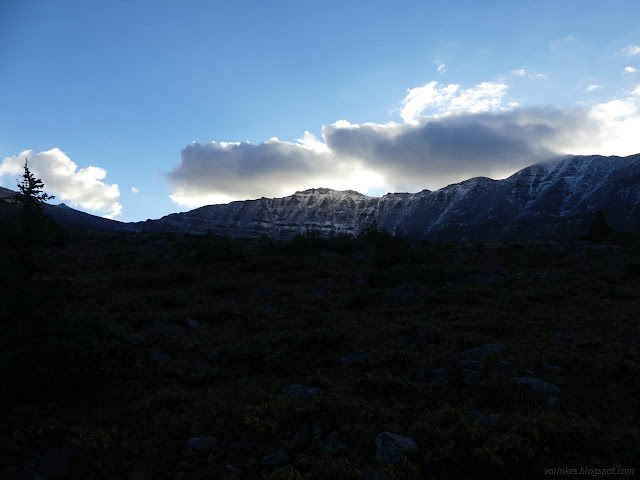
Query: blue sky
x: 128, y: 86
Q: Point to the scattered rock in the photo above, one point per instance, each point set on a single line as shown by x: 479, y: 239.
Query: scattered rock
x: 479, y: 353
x: 436, y: 376
x: 264, y: 293
x: 233, y: 470
x: 269, y: 310
x: 159, y: 357
x: 357, y: 357
x: 474, y: 379
x: 488, y: 421
x: 390, y: 447
x: 471, y: 365
x: 184, y: 465
x: 316, y: 433
x: 564, y: 337
x: 553, y: 368
x: 202, y: 444
x: 535, y: 385
x: 274, y: 458
x: 499, y: 269
x: 488, y: 278
x: 373, y: 475
x: 553, y: 401
x: 301, y: 391
x: 410, y: 292
x: 169, y: 329
x: 135, y: 338
x: 192, y: 323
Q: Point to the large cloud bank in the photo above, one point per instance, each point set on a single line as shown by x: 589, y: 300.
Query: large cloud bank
x: 447, y: 134
x: 82, y: 188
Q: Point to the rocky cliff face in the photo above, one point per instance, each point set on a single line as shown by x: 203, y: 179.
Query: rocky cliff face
x: 549, y: 200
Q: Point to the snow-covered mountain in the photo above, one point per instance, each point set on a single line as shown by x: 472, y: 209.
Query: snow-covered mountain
x: 556, y: 199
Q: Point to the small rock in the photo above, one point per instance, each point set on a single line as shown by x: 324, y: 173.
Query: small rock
x: 357, y: 357
x: 479, y: 353
x: 488, y: 421
x: 564, y: 337
x: 135, y: 338
x: 471, y: 365
x: 192, y: 323
x: 316, y: 433
x: 474, y: 379
x: 169, y: 329
x: 159, y: 357
x: 410, y: 292
x: 301, y: 391
x: 274, y: 458
x: 390, y: 447
x: 436, y: 376
x: 269, y: 310
x: 535, y: 385
x: 488, y: 278
x: 184, y: 465
x: 553, y: 401
x: 233, y: 470
x: 264, y: 293
x: 202, y: 444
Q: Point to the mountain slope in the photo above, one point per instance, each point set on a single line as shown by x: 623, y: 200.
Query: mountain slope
x: 548, y: 200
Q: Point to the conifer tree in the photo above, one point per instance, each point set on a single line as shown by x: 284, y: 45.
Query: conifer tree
x: 31, y: 188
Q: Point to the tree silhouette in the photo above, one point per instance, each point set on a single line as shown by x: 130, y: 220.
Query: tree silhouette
x: 31, y: 188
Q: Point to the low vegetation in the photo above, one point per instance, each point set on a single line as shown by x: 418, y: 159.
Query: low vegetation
x: 123, y: 347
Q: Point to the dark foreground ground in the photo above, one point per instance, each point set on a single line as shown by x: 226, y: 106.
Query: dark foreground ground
x: 118, y: 350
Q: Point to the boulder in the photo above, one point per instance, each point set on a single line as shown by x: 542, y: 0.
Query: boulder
x: 479, y: 353
x: 202, y: 444
x: 411, y: 292
x: 535, y: 385
x: 390, y: 447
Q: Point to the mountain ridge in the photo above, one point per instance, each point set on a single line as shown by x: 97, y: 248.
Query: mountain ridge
x: 555, y: 199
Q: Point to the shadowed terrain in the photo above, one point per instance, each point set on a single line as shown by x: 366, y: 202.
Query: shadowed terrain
x: 129, y: 355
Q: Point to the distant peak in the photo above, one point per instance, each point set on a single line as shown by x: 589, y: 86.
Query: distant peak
x: 325, y: 191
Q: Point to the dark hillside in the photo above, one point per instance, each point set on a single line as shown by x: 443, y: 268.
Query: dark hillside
x: 173, y: 356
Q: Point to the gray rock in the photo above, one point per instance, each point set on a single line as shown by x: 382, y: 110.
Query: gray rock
x: 479, y: 353
x: 135, y: 338
x: 435, y: 376
x: 183, y: 465
x: 487, y: 278
x: 264, y: 293
x: 535, y: 385
x: 357, y: 357
x: 488, y: 421
x: 390, y: 447
x: 301, y: 391
x: 274, y: 458
x: 192, y: 323
x: 169, y: 329
x: 159, y: 357
x: 410, y: 292
x: 553, y: 401
x: 233, y: 470
x: 202, y: 444
x: 471, y: 365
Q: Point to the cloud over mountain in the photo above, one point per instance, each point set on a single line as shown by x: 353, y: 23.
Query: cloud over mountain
x: 81, y: 187
x: 448, y: 134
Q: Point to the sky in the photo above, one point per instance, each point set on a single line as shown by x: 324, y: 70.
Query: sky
x: 134, y: 110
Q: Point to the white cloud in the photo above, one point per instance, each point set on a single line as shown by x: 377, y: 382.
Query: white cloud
x: 442, y: 68
x: 448, y: 134
x: 82, y: 188
x: 592, y: 88
x: 631, y: 50
x: 134, y: 190
x: 630, y: 69
x: 521, y: 72
x: 432, y: 101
